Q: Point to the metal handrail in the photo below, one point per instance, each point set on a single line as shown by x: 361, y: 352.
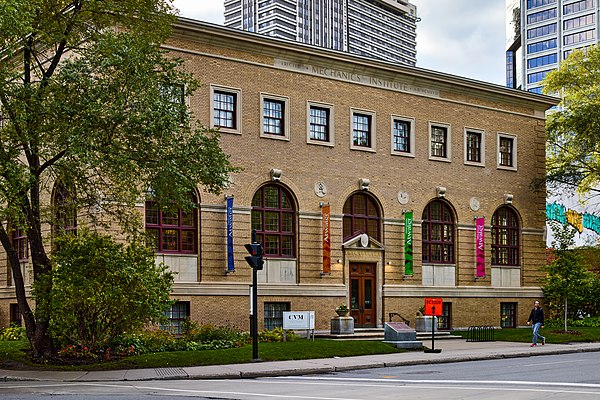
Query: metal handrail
x: 392, y: 314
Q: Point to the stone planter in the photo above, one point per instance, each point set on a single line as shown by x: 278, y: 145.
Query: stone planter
x: 423, y: 323
x: 342, y: 313
x: 342, y: 325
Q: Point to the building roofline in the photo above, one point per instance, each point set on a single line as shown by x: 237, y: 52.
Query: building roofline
x: 241, y: 39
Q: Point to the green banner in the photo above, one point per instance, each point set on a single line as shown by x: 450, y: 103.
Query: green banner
x: 408, y: 243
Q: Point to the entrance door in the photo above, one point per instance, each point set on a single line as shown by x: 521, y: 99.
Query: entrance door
x: 362, y: 294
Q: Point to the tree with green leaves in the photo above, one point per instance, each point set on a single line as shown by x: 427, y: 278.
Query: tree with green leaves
x: 102, y: 289
x: 573, y: 137
x: 568, y: 283
x: 89, y: 102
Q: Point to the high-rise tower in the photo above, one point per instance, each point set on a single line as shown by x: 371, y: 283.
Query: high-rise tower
x: 542, y: 33
x: 381, y: 29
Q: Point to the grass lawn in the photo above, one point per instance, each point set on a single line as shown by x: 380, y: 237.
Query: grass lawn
x: 13, y: 354
x: 552, y: 335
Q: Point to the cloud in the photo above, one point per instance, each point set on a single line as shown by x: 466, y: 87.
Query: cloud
x: 209, y: 11
x: 457, y: 37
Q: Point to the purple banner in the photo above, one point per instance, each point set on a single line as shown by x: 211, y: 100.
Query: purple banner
x: 480, y: 246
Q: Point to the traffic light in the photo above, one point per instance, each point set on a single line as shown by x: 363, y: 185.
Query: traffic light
x: 255, y: 259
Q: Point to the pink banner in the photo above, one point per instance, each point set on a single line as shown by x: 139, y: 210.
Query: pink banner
x: 480, y: 246
x: 325, y: 212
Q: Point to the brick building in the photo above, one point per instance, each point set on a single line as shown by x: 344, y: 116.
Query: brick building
x: 339, y: 155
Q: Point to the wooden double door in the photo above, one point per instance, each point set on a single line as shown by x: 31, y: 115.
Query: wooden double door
x: 362, y: 294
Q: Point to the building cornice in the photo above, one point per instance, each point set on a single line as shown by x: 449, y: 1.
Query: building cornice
x: 258, y: 44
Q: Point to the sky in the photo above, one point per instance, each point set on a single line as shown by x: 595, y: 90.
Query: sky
x: 459, y: 37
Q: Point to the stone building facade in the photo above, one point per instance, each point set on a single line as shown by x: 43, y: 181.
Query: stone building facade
x: 374, y: 143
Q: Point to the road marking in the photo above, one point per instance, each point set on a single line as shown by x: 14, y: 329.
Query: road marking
x: 454, y: 382
x: 383, y: 383
x: 552, y: 363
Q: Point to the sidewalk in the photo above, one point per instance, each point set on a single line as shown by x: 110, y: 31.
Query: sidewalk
x: 452, y: 351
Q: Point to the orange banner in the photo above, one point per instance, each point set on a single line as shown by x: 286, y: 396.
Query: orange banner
x: 325, y: 214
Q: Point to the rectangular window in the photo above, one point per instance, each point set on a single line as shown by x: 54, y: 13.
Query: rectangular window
x: 226, y: 109
x: 579, y: 22
x: 541, y: 16
x: 578, y: 6
x: 538, y: 3
x: 579, y: 37
x: 508, y: 315
x: 541, y: 31
x: 319, y: 124
x: 363, y: 128
x: 274, y: 117
x: 274, y: 314
x: 320, y: 128
x: 542, y: 60
x: 474, y: 147
x: 21, y: 244
x: 444, y: 320
x: 541, y: 46
x: 403, y: 136
x: 439, y: 142
x: 507, y: 151
x: 15, y: 314
x: 176, y: 315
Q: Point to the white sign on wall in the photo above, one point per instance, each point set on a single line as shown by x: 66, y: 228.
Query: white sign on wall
x: 298, y: 320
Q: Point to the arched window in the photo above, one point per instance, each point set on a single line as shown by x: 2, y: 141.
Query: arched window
x: 361, y: 215
x: 65, y: 209
x: 505, y: 237
x: 438, y: 233
x: 273, y: 218
x: 174, y: 231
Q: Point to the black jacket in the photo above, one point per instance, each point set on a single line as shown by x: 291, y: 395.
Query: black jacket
x: 537, y: 315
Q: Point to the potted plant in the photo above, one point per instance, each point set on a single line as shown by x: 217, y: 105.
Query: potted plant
x: 342, y: 310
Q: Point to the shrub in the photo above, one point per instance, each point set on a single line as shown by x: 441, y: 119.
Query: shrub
x: 194, y: 332
x: 276, y: 335
x: 150, y: 341
x: 102, y: 289
x: 14, y: 332
x: 590, y: 322
x: 77, y: 351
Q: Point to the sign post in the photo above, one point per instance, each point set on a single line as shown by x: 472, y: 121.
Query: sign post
x: 255, y: 260
x: 434, y: 308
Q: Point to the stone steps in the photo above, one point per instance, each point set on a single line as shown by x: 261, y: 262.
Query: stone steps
x: 377, y: 334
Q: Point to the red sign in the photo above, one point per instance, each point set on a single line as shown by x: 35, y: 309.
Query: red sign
x: 433, y: 307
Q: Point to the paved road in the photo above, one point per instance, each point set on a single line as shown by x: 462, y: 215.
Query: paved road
x: 569, y: 377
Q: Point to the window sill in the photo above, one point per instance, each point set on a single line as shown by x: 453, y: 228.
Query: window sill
x: 441, y: 159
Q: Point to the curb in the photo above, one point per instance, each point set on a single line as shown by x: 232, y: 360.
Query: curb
x: 279, y: 368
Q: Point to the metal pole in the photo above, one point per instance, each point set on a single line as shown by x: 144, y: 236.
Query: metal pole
x: 433, y: 328
x: 254, y: 317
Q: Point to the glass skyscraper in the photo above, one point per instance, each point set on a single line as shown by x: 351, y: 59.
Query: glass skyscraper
x: 539, y: 35
x: 542, y: 33
x: 381, y: 29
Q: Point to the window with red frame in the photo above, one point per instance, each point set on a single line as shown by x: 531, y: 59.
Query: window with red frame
x: 505, y: 237
x: 273, y: 218
x: 173, y: 230
x: 438, y: 233
x: 361, y: 215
